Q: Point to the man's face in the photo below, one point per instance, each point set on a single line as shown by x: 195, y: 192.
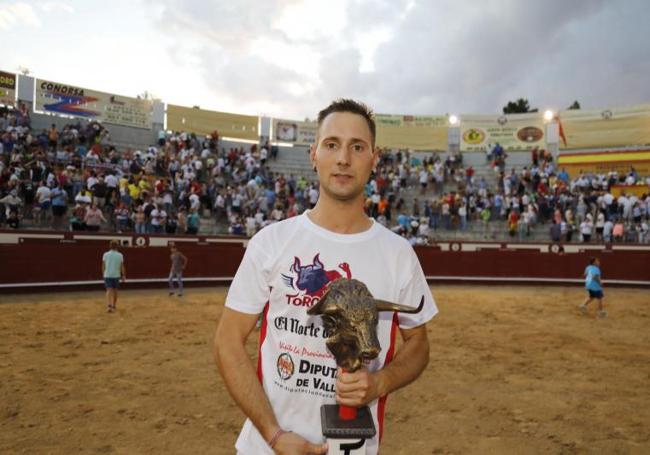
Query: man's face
x: 343, y: 155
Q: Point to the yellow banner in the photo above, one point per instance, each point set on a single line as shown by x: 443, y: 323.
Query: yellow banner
x: 637, y: 190
x: 294, y: 132
x: 7, y: 89
x: 200, y: 121
x: 614, y: 127
x: 417, y: 132
x: 605, y: 162
x: 63, y: 99
x: 512, y: 132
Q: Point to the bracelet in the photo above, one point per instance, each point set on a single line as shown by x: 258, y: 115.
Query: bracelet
x: 276, y: 436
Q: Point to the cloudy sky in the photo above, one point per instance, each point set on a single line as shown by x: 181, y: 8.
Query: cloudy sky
x: 289, y: 58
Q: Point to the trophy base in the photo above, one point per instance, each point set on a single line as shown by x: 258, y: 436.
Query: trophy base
x: 336, y: 428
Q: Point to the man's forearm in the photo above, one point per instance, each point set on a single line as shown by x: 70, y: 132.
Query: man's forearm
x: 241, y: 381
x: 409, y: 362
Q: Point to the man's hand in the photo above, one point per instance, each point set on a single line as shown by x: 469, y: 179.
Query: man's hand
x: 293, y: 444
x: 358, y: 388
x: 123, y: 278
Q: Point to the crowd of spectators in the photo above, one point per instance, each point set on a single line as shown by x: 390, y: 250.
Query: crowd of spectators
x: 580, y: 209
x: 73, y: 178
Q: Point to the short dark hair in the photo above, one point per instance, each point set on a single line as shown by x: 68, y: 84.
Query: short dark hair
x: 354, y: 107
x: 592, y: 260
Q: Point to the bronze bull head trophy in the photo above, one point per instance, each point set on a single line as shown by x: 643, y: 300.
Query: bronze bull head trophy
x: 350, y: 316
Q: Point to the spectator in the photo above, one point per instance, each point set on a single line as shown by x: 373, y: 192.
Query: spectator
x: 77, y: 220
x: 59, y: 205
x: 178, y: 264
x: 618, y: 231
x: 94, y: 218
x: 122, y: 216
x: 12, y: 205
x: 586, y: 228
x: 158, y: 219
x: 556, y: 231
x: 193, y: 221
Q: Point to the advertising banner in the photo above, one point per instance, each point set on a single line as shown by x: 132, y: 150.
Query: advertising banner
x: 204, y: 122
x: 605, y: 162
x: 294, y: 131
x: 7, y: 88
x: 63, y: 99
x: 614, y: 127
x: 512, y: 132
x: 417, y: 132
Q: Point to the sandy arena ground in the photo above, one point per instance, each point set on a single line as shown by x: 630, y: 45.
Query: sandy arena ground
x: 514, y: 370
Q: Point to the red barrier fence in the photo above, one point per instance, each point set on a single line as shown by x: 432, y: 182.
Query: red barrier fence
x: 32, y: 260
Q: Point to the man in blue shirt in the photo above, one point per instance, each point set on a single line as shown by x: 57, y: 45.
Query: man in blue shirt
x: 594, y: 287
x: 113, y: 270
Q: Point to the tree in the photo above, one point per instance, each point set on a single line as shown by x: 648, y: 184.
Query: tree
x: 574, y: 106
x: 520, y: 106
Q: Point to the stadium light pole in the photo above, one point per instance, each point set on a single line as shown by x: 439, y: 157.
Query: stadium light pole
x: 453, y: 134
x: 552, y: 134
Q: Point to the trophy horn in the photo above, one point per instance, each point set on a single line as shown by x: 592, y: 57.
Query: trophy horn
x: 382, y: 305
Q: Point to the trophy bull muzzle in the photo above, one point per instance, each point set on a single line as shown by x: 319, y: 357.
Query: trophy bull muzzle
x: 350, y: 316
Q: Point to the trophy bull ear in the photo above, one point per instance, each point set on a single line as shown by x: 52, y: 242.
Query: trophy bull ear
x: 382, y: 305
x: 324, y: 306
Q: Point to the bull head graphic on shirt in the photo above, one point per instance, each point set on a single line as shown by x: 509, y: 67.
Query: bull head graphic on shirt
x: 350, y: 316
x: 313, y: 278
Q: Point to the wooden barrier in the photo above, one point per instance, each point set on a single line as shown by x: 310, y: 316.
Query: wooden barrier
x: 30, y: 260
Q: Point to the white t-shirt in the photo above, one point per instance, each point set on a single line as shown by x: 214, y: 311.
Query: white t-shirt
x: 284, y: 272
x: 158, y: 217
x: 42, y: 194
x: 195, y: 201
x: 111, y: 181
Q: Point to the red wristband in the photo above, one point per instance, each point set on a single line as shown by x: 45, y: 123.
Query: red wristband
x: 276, y: 436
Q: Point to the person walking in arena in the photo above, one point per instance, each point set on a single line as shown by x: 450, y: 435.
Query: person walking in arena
x: 594, y: 287
x: 113, y: 270
x: 286, y: 269
x: 178, y: 264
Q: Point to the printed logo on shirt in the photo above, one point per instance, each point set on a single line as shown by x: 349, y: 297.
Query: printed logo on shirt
x: 285, y: 366
x: 312, y: 377
x: 310, y: 281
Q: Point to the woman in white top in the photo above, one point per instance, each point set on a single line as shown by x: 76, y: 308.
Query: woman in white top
x: 600, y: 225
x: 586, y: 228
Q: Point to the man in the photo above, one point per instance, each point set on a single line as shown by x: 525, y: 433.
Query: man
x: 594, y: 287
x: 43, y: 199
x: 178, y: 264
x: 285, y: 270
x: 93, y: 218
x: 113, y: 270
x: 158, y: 219
x: 59, y: 205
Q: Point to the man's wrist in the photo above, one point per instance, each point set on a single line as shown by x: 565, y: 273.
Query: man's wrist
x: 270, y: 431
x: 381, y: 383
x: 277, y: 435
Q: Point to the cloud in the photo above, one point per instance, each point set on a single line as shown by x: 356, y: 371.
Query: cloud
x: 18, y: 14
x: 50, y: 7
x: 290, y: 58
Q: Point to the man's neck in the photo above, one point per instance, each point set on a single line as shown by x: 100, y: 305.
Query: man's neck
x: 340, y: 217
